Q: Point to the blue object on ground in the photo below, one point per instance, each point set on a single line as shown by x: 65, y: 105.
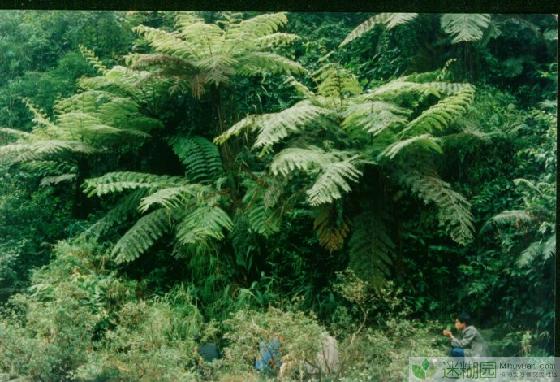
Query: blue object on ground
x: 270, y: 356
x: 457, y: 352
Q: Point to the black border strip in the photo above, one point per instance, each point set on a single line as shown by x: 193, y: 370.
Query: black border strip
x: 458, y: 6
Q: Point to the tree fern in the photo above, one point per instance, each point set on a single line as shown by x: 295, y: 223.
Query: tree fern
x: 176, y: 197
x: 465, y: 26
x: 207, y: 54
x: 141, y: 236
x: 200, y: 157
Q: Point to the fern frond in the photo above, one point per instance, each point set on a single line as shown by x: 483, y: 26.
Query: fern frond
x: 125, y: 207
x: 516, y: 218
x: 141, y: 236
x: 439, y: 116
x: 335, y: 170
x: 389, y: 20
x: 252, y: 63
x: 275, y: 127
x: 167, y: 42
x: 42, y: 150
x: 331, y: 230
x: 334, y: 181
x: 425, y: 141
x: 119, y: 181
x: 538, y: 249
x: 258, y: 26
x: 261, y: 216
x: 375, y: 116
x: 453, y: 209
x: 465, y: 26
x: 176, y: 197
x: 38, y: 117
x: 200, y: 157
x: 371, y: 249
x: 93, y: 60
x: 56, y: 179
x: 199, y: 228
x: 10, y: 135
x: 336, y: 81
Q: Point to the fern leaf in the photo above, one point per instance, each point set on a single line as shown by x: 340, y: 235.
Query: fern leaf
x: 375, y: 116
x: 93, y: 60
x: 389, y: 20
x: 141, y: 236
x: 336, y: 81
x: 465, y: 26
x: 330, y: 229
x: 538, y: 250
x: 453, y: 209
x: 275, y: 127
x: 425, y: 141
x: 439, y: 116
x: 176, y: 197
x: 119, y: 181
x: 333, y: 181
x: 371, y: 250
x: 199, y: 228
x: 200, y: 157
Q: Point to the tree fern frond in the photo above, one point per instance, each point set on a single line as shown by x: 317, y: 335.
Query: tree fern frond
x: 371, y: 250
x: 141, y: 236
x: 38, y: 117
x: 538, y: 249
x: 200, y: 157
x: 276, y: 126
x: 119, y: 181
x: 56, y: 179
x: 334, y: 181
x: 259, y: 202
x: 42, y: 150
x: 125, y: 206
x: 10, y: 135
x: 199, y: 228
x: 336, y: 81
x: 453, y: 209
x: 375, y: 116
x: 515, y: 218
x: 442, y: 114
x: 93, y: 60
x: 295, y: 158
x: 258, y: 26
x: 176, y: 197
x: 331, y: 230
x: 259, y: 62
x: 425, y: 141
x: 167, y: 42
x: 465, y: 26
x: 389, y: 20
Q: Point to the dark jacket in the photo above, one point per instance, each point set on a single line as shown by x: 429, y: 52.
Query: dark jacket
x: 472, y: 342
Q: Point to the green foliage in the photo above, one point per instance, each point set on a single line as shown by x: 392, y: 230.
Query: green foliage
x: 200, y: 157
x: 166, y: 190
x: 465, y: 27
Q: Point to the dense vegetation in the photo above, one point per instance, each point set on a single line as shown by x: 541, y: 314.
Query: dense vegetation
x: 175, y: 179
